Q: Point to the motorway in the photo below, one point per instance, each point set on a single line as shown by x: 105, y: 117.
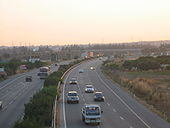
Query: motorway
x: 15, y: 92
x: 120, y: 110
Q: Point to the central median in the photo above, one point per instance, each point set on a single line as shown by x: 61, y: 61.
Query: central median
x: 41, y: 110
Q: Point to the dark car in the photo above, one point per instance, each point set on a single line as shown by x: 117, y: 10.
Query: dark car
x: 28, y: 79
x: 98, y: 96
x: 1, y: 105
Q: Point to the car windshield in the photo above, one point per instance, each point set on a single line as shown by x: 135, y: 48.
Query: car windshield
x: 72, y: 94
x: 92, y: 111
x: 43, y: 74
x: 98, y: 94
x: 89, y: 87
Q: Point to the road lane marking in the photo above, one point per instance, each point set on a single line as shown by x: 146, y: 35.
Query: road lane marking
x: 108, y: 104
x: 123, y: 102
x: 64, y: 113
x: 130, y: 127
x: 114, y: 110
x: 5, y: 85
x: 122, y: 118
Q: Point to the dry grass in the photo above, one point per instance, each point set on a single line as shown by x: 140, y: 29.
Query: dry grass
x: 147, y: 89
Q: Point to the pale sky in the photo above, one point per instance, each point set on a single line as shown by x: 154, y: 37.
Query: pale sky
x: 37, y: 22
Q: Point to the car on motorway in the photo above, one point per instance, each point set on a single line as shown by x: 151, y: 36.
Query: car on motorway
x: 81, y: 71
x: 28, y: 79
x: 1, y: 105
x: 43, y: 75
x: 91, y: 113
x: 92, y: 68
x: 73, y: 81
x: 89, y: 89
x: 38, y: 74
x: 98, y: 96
x: 72, y: 97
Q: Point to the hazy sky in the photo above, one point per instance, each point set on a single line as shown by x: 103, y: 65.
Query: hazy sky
x: 83, y: 21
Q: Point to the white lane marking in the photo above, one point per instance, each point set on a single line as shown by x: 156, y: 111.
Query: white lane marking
x: 108, y: 104
x: 130, y: 127
x: 124, y: 102
x: 64, y: 113
x: 122, y: 118
x: 114, y: 110
x: 4, y: 96
x: 12, y: 81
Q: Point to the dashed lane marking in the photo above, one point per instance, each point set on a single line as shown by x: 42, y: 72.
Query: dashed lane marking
x: 122, y: 118
x: 108, y: 104
x: 114, y: 110
x: 123, y: 102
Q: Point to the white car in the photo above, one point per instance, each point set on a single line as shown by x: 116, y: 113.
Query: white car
x: 72, y: 97
x: 0, y: 104
x: 89, y: 89
x: 73, y: 81
x: 91, y: 113
x: 92, y: 68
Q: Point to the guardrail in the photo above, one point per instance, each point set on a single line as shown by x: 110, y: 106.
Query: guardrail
x: 58, y: 89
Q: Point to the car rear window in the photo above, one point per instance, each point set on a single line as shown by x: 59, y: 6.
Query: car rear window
x: 72, y: 94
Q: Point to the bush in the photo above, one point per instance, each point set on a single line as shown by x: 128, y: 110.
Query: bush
x: 143, y: 63
x: 40, y: 106
x: 31, y: 123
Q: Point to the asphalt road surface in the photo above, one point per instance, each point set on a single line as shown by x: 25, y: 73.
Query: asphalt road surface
x: 15, y: 92
x: 120, y: 110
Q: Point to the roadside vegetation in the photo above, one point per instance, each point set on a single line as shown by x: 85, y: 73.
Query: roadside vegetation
x: 38, y: 112
x: 147, y: 78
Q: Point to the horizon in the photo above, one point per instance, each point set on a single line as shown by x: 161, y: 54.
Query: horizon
x: 84, y: 44
x: 55, y: 22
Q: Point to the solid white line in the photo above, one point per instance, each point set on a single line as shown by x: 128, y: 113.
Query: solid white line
x: 64, y: 113
x: 123, y: 102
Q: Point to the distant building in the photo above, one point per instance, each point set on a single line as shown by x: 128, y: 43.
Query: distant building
x: 90, y: 54
x: 84, y: 55
x: 33, y: 60
x: 53, y: 57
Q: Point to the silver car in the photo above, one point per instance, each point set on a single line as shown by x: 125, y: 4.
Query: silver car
x: 89, y: 89
x: 72, y: 97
